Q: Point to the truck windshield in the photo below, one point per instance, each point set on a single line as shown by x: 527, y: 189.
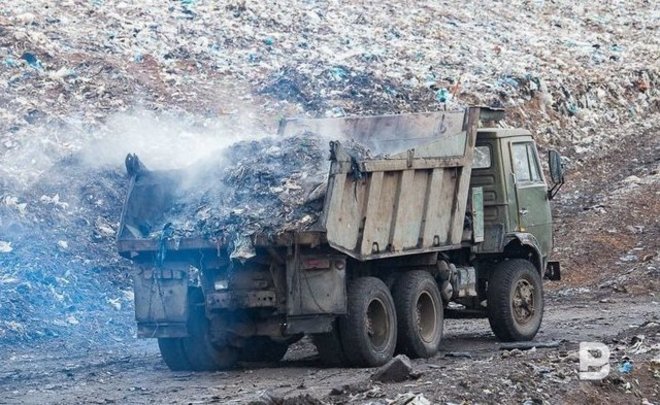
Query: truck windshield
x: 525, y: 165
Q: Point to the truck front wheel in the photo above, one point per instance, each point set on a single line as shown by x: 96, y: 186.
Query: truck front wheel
x: 368, y: 331
x: 419, y: 313
x: 515, y: 300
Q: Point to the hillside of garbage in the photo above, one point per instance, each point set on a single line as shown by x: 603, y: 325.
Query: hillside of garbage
x: 83, y: 83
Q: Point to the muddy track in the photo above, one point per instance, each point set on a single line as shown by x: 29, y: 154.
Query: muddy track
x: 132, y: 371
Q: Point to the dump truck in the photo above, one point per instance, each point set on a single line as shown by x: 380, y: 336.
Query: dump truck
x: 451, y: 219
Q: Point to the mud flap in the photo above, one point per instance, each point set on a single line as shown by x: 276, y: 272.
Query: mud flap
x: 161, y: 302
x: 553, y: 271
x: 316, y: 285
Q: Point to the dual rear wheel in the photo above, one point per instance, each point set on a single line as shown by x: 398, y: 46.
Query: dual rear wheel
x: 380, y: 322
x: 420, y: 314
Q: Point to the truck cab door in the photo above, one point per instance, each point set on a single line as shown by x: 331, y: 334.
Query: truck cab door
x: 532, y: 207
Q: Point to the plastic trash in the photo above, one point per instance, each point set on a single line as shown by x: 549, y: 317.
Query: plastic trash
x: 442, y: 95
x: 32, y: 60
x: 339, y: 73
x: 626, y: 367
x: 10, y: 62
x: 5, y: 247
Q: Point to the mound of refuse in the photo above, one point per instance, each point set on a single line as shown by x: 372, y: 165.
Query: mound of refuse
x: 263, y: 186
x: 59, y: 274
x: 572, y: 64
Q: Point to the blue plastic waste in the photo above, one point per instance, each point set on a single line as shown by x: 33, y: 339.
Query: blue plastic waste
x: 572, y: 108
x: 442, y: 95
x: 508, y: 81
x: 31, y: 60
x: 626, y: 367
x: 339, y: 73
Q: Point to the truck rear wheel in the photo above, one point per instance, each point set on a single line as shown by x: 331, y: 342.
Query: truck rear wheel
x: 515, y: 300
x: 262, y: 348
x: 419, y: 313
x: 368, y: 331
x: 202, y: 353
x: 196, y: 352
x: 171, y: 350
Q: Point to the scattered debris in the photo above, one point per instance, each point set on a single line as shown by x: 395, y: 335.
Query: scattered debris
x: 512, y: 353
x: 528, y: 345
x: 409, y: 399
x: 268, y: 398
x: 625, y: 367
x: 396, y: 370
x: 352, y: 388
x: 466, y: 355
x: 5, y: 247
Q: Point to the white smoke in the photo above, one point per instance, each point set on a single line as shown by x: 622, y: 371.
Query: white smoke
x: 169, y: 141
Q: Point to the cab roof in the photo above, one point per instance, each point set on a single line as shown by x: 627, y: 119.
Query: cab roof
x: 501, y: 132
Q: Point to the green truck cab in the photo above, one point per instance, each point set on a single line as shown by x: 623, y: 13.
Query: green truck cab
x: 516, y: 197
x: 449, y: 219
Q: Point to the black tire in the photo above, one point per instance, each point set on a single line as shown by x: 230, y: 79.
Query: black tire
x: 419, y: 314
x: 329, y: 347
x: 368, y: 331
x: 171, y: 350
x: 201, y: 352
x: 515, y: 300
x: 196, y: 352
x: 262, y: 349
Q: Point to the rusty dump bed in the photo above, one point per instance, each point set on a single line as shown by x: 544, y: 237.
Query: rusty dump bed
x: 411, y: 199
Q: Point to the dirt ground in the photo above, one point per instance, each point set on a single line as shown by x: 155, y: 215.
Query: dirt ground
x: 471, y: 368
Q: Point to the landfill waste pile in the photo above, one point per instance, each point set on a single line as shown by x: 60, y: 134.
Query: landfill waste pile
x: 57, y: 276
x: 85, y: 82
x: 560, y: 64
x: 264, y: 186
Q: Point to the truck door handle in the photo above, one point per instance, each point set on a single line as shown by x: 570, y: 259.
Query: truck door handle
x: 523, y: 211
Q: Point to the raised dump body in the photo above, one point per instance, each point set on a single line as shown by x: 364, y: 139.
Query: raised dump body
x: 411, y: 200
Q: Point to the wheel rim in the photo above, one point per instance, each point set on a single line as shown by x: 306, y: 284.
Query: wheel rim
x: 378, y: 323
x: 523, y: 301
x: 426, y: 317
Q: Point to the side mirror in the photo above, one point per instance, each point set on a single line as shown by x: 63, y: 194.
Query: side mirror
x: 556, y: 166
x: 556, y: 172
